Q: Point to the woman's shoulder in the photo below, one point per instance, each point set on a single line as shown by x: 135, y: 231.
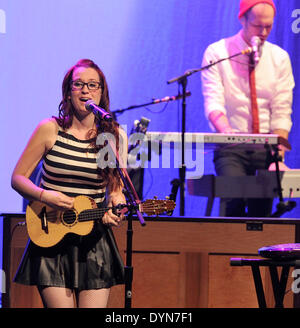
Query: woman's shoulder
x: 48, y: 125
x: 46, y: 132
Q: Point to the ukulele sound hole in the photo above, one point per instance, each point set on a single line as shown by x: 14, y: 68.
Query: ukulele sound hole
x: 69, y: 218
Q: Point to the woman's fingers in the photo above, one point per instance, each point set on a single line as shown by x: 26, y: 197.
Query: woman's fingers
x: 57, y: 200
x: 111, y: 219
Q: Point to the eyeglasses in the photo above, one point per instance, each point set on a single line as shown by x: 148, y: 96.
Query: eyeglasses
x: 79, y: 85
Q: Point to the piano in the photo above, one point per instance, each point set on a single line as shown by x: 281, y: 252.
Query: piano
x: 263, y: 185
x: 214, y: 140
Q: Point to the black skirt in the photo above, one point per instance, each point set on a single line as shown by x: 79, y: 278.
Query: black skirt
x: 77, y: 262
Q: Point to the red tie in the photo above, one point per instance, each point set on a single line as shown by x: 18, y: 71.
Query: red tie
x: 253, y: 98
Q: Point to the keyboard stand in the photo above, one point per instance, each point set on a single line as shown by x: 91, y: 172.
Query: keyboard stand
x: 278, y: 283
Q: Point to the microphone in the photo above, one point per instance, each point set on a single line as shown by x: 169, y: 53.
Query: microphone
x: 98, y: 111
x: 256, y: 43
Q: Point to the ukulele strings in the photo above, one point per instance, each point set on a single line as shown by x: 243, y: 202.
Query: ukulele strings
x: 94, y: 213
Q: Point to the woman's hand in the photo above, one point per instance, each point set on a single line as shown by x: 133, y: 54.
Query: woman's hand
x: 56, y: 200
x: 111, y: 218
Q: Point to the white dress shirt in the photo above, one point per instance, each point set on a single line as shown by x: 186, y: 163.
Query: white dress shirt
x: 226, y: 85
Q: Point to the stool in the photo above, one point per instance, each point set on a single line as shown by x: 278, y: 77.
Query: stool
x: 283, y: 255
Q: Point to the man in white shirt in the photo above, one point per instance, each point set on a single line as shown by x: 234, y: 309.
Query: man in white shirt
x: 227, y: 97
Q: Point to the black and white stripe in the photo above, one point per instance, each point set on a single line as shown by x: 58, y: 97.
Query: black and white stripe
x: 71, y: 167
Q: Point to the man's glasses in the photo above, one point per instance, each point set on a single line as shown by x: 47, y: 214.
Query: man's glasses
x: 79, y: 85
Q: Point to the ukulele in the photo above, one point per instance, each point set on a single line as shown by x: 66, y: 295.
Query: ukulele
x: 46, y: 226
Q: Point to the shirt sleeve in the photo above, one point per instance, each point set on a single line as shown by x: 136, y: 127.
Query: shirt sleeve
x: 281, y: 103
x: 212, y: 84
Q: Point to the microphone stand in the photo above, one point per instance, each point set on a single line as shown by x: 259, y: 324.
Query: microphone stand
x: 153, y: 102
x: 132, y: 205
x: 175, y: 185
x: 282, y: 207
x: 182, y: 81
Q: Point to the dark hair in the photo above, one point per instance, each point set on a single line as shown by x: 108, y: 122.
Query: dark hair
x: 110, y: 176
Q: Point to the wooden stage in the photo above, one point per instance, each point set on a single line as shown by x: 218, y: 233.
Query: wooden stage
x: 179, y: 262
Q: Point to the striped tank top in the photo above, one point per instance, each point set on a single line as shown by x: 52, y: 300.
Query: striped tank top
x: 71, y: 168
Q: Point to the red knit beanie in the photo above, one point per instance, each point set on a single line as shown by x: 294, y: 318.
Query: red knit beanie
x: 245, y: 5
